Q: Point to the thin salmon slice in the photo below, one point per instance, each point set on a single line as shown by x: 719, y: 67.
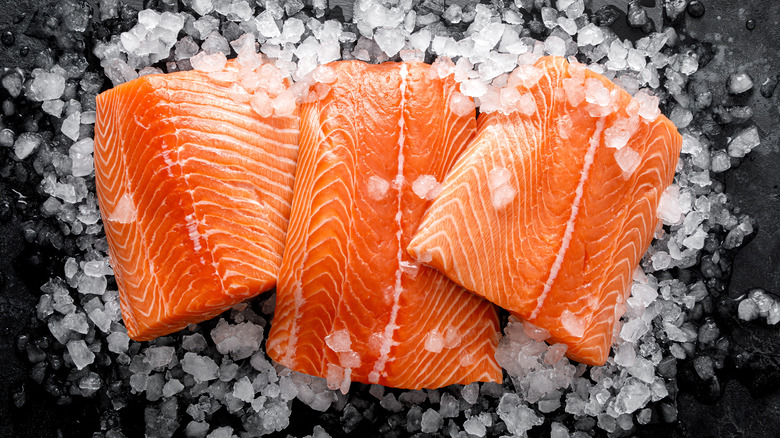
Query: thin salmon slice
x: 195, y: 191
x: 351, y: 304
x: 551, y: 208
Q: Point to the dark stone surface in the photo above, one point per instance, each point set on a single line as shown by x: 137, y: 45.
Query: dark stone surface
x: 755, y: 185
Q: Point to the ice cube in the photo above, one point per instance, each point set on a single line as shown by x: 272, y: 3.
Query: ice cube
x: 431, y: 421
x: 473, y: 426
x: 740, y: 83
x: 632, y: 397
x: 434, y: 342
x: 525, y: 75
x: 500, y: 185
x: 669, y: 208
x: 284, y: 104
x: 460, y: 104
x: 172, y: 387
x: 80, y: 353
x: 266, y: 25
x: 744, y: 142
x: 118, y: 342
x: 202, y: 368
x: 426, y: 187
x: 420, y: 40
x: 391, y: 41
x: 26, y: 143
x: 628, y: 160
x: 46, y: 86
x: 473, y: 88
x: 572, y: 323
x: 747, y: 309
x: 633, y: 330
x: 339, y: 341
x: 589, y: 34
x: 470, y: 393
x: 518, y: 417
x: 555, y: 46
x: 209, y: 63
x: 538, y: 334
x: 574, y: 89
x: 240, y: 340
x: 71, y: 125
x: 555, y: 353
x: 648, y: 106
x: 596, y: 93
x: 243, y: 390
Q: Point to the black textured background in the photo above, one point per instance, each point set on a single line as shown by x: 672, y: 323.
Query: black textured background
x: 747, y: 402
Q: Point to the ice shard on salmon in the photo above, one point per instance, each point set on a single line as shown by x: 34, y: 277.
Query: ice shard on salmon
x: 351, y: 304
x: 551, y: 208
x: 195, y: 190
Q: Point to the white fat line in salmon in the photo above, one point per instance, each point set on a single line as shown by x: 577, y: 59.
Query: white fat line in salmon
x: 595, y: 141
x: 387, y: 340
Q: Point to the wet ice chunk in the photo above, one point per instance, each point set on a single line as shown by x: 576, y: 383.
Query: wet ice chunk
x: 339, y: 341
x: 473, y: 426
x: 574, y: 90
x: 324, y: 74
x: 172, y: 387
x: 744, y: 142
x: 71, y: 124
x: 596, y: 93
x: 46, y: 86
x: 209, y: 63
x: 243, y: 390
x: 538, y: 334
x: 473, y: 88
x: 80, y: 354
x: 434, y: 342
x: 555, y: 353
x: 526, y: 104
x: 262, y: 104
x: 525, y: 75
x: 628, y: 160
x: 633, y: 330
x: 377, y: 187
x: 26, y: 143
x: 158, y: 356
x: 461, y: 105
x: 470, y: 393
x: 518, y: 417
x: 632, y: 397
x: 426, y: 187
x: 501, y: 190
x: 202, y: 368
x: 555, y: 45
x: 572, y: 323
x: 648, y: 106
x: 747, y: 310
x: 391, y: 41
x: 118, y: 342
x: 431, y: 421
x: 740, y: 83
x: 669, y: 208
x: 589, y: 35
x: 240, y: 340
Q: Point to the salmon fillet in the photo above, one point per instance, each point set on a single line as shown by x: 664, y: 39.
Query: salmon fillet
x: 351, y: 304
x: 194, y: 191
x: 551, y: 208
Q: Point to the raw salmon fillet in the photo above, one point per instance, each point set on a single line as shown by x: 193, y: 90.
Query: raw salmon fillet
x: 551, y: 208
x: 351, y: 305
x: 195, y: 191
